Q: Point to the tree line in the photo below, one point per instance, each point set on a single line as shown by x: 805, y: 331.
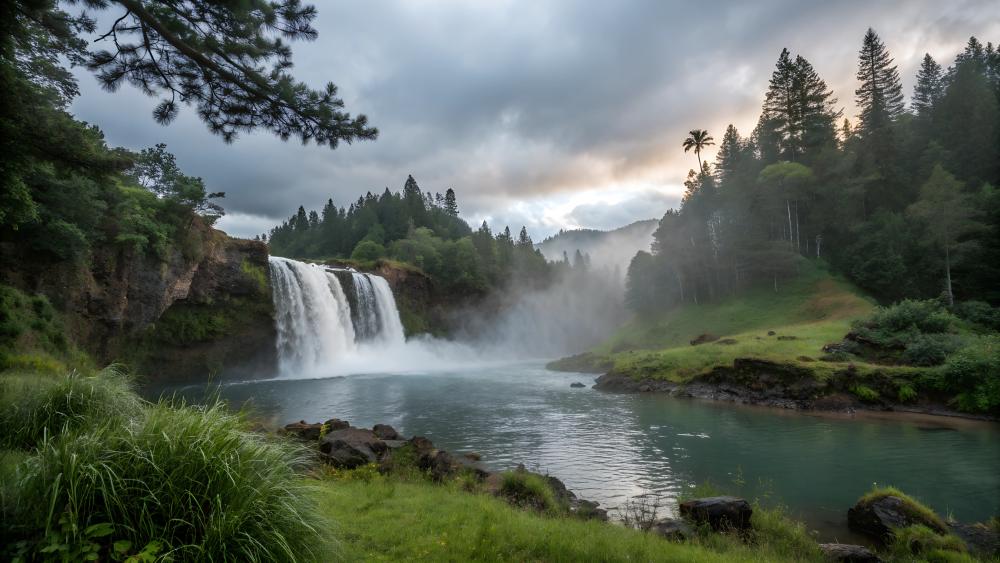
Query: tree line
x: 903, y: 201
x: 421, y: 229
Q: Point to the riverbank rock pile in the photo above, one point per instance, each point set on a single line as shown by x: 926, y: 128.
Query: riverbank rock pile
x: 347, y: 447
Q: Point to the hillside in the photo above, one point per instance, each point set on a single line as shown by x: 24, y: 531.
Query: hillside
x: 606, y: 248
x: 788, y: 347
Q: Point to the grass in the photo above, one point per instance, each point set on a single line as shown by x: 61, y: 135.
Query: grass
x: 89, y: 470
x: 915, y: 509
x: 383, y: 519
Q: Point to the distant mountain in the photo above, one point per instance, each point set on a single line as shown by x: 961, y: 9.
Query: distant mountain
x: 606, y: 248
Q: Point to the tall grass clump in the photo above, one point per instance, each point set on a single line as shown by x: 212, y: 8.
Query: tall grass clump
x: 184, y: 482
x: 33, y: 405
x: 528, y: 490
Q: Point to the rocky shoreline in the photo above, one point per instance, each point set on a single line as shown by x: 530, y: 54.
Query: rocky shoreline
x: 752, y: 381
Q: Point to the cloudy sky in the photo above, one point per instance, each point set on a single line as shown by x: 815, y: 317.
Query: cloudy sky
x: 554, y: 114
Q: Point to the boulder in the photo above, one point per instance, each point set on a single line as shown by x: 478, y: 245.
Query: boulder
x: 788, y: 337
x: 721, y: 513
x: 848, y: 553
x: 672, y: 529
x: 336, y: 424
x: 726, y: 342
x: 588, y: 510
x: 577, y: 385
x: 979, y: 538
x: 304, y: 430
x: 703, y: 338
x: 771, y: 333
x: 350, y: 448
x: 878, y: 518
x: 386, y: 432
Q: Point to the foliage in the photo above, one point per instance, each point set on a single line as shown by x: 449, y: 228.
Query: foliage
x: 367, y: 251
x: 918, y: 540
x: 901, y: 324
x: 239, y: 494
x: 972, y: 374
x: 979, y: 313
x: 34, y: 407
x: 529, y: 490
x: 865, y: 393
x: 930, y: 349
x: 31, y: 319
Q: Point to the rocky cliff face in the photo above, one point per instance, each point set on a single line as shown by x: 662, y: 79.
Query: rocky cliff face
x: 195, y: 311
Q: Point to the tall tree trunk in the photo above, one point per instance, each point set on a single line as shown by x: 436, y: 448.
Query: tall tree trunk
x: 788, y: 209
x: 701, y: 167
x: 947, y: 269
x: 798, y: 238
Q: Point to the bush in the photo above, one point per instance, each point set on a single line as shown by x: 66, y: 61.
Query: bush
x: 188, y: 483
x: 33, y: 406
x: 979, y: 313
x: 31, y: 318
x: 973, y: 374
x: 528, y: 490
x: 930, y: 349
x: 368, y: 251
x: 900, y: 324
x: 865, y: 393
x: 906, y: 393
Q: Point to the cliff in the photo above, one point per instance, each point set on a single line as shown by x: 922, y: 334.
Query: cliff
x: 198, y: 309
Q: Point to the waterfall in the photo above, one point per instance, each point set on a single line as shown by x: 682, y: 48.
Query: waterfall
x: 313, y: 315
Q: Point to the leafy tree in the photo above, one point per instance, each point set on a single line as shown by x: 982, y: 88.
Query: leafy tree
x: 948, y: 214
x: 156, y: 170
x: 698, y: 139
x: 368, y: 251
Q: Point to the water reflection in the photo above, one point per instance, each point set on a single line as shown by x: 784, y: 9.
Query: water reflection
x: 609, y: 447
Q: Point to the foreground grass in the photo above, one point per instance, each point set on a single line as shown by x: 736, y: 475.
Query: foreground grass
x: 383, y: 519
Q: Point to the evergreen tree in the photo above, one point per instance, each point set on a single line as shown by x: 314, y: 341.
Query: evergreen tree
x: 928, y: 88
x: 450, y: 203
x: 523, y: 240
x: 228, y: 60
x: 730, y: 151
x: 798, y: 108
x: 880, y: 96
x: 967, y: 122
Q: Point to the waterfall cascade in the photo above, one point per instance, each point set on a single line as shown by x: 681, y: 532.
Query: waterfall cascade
x: 315, y: 323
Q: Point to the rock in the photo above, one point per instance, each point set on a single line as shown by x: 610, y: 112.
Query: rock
x: 721, y: 513
x: 726, y: 342
x: 336, y: 424
x: 672, y: 529
x: 805, y: 359
x: 771, y: 333
x: 350, y: 448
x: 848, y: 553
x: 784, y: 337
x: 385, y: 432
x: 979, y: 538
x: 879, y: 517
x: 588, y: 510
x: 395, y: 444
x: 303, y: 430
x: 704, y: 338
x: 472, y: 456
x: 577, y: 385
x: 645, y: 388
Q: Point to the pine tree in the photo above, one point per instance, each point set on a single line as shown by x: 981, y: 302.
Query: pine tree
x: 928, y: 88
x: 229, y: 60
x: 450, y: 203
x: 798, y: 108
x: 730, y: 150
x: 523, y: 240
x: 880, y: 97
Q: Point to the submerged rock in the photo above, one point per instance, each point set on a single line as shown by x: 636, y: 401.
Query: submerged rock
x: 577, y: 385
x: 721, y: 513
x: 848, y: 553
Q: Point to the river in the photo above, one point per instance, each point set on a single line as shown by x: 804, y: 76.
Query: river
x: 608, y: 447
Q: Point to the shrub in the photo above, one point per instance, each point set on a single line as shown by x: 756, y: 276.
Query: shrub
x: 865, y: 393
x: 191, y: 480
x: 900, y: 324
x: 973, y: 374
x: 979, y: 313
x: 31, y: 318
x: 930, y: 349
x: 906, y: 393
x: 32, y: 407
x: 368, y: 251
x: 528, y: 490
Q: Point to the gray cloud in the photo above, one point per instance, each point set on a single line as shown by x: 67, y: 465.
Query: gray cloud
x: 520, y: 105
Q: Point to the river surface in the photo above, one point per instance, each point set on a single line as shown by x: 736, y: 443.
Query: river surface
x: 608, y: 447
